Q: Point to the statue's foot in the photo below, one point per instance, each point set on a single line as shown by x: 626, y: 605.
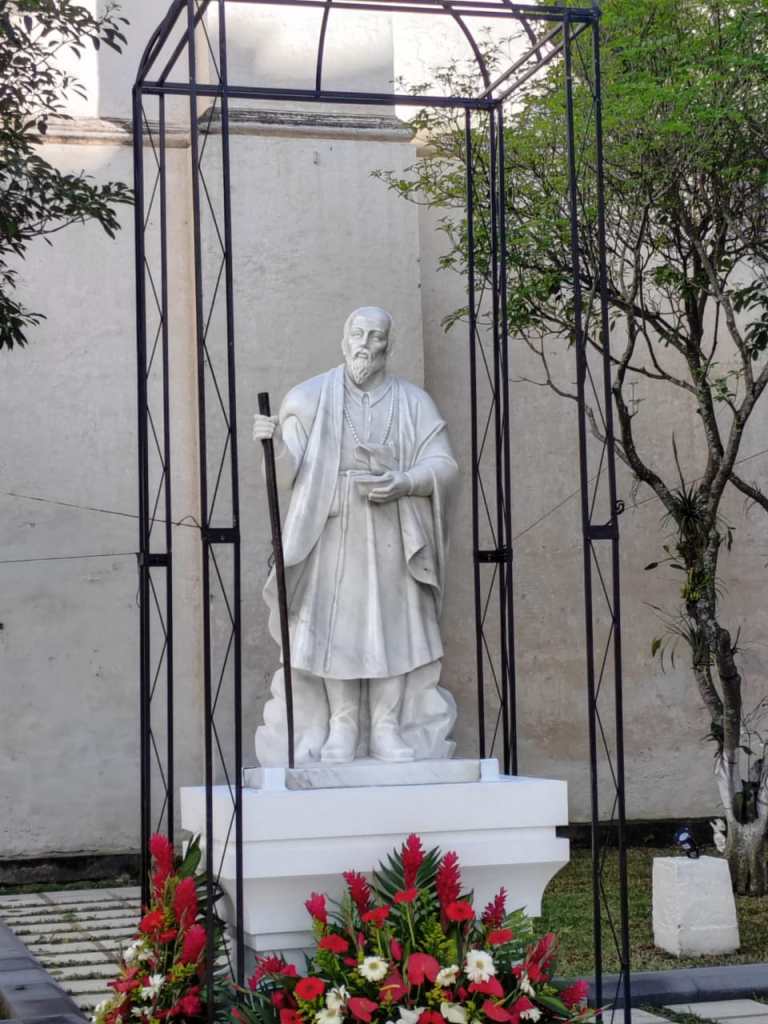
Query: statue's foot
x: 388, y: 745
x: 344, y: 705
x: 341, y: 744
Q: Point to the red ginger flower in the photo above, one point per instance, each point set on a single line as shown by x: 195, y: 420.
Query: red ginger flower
x: 316, y: 907
x: 575, y: 994
x: 459, y: 911
x: 309, y: 989
x: 448, y: 879
x: 194, y: 944
x: 185, y: 902
x: 406, y: 895
x: 152, y: 922
x: 270, y: 965
x: 162, y: 854
x: 190, y: 1005
x: 412, y: 857
x: 496, y: 911
x: 361, y: 1008
x: 500, y: 935
x: 333, y: 943
x: 359, y: 890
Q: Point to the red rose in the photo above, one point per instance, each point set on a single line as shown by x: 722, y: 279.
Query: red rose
x: 333, y: 943
x: 495, y: 1011
x: 310, y: 989
x: 459, y: 911
x: 316, y: 907
x: 500, y: 935
x: 361, y: 1009
x: 152, y: 922
x: 406, y: 895
x: 492, y: 987
x: 194, y: 944
x: 575, y: 994
x: 421, y: 966
x: 377, y: 916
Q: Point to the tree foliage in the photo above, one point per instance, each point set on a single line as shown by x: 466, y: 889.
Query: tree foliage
x: 37, y: 198
x: 685, y: 117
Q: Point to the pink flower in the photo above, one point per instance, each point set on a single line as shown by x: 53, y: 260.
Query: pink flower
x: 492, y: 987
x: 421, y: 966
x: 361, y: 1008
x: 316, y: 907
x: 194, y: 944
x: 412, y: 857
x: 500, y: 935
x: 495, y: 1011
x: 575, y: 994
x: 393, y: 988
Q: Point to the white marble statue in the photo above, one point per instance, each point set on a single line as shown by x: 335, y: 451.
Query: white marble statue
x: 370, y: 470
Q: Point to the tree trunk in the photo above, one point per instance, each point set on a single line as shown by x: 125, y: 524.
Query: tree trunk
x: 746, y: 852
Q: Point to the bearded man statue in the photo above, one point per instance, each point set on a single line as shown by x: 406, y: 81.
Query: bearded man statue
x: 370, y: 470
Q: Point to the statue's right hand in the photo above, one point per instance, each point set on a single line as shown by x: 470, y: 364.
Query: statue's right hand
x: 264, y: 427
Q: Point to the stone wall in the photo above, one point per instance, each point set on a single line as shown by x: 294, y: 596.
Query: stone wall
x: 314, y: 236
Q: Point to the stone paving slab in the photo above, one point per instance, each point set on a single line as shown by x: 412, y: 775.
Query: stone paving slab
x: 741, y: 1010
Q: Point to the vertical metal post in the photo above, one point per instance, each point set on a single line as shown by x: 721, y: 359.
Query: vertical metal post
x: 506, y: 565
x: 471, y: 300
x: 204, y: 510
x: 624, y: 951
x: 235, y: 478
x: 145, y: 781
x: 498, y: 386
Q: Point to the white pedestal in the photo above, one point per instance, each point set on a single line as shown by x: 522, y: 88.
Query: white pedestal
x: 299, y: 840
x: 694, y: 912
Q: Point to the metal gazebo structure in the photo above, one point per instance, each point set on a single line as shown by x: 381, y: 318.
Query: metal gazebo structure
x: 170, y: 74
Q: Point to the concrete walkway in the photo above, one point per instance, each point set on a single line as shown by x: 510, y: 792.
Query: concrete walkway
x: 77, y: 935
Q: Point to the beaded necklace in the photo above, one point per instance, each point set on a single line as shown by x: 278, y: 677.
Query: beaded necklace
x: 390, y: 418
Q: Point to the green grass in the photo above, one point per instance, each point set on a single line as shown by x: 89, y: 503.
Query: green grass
x: 567, y: 910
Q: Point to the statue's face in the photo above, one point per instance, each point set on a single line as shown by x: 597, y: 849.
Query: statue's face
x: 365, y: 345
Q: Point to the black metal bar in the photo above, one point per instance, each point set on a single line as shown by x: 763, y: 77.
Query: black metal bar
x: 184, y: 41
x: 471, y: 300
x: 311, y: 96
x: 282, y: 592
x: 321, y: 47
x: 581, y: 373
x: 498, y: 429
x: 481, y: 62
x: 537, y: 67
x: 169, y: 682
x: 506, y: 425
x: 158, y: 39
x: 615, y: 559
x: 235, y: 474
x: 478, y: 7
x: 145, y: 781
x: 204, y: 511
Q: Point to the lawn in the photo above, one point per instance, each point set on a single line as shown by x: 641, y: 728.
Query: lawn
x: 567, y: 909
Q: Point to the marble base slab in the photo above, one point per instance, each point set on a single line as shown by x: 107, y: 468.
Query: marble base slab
x: 296, y: 841
x: 694, y: 910
x: 370, y: 772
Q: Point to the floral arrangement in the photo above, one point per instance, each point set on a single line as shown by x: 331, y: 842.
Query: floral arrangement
x: 163, y: 971
x: 410, y: 948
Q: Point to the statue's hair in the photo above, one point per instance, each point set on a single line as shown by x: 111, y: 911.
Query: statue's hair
x: 368, y: 310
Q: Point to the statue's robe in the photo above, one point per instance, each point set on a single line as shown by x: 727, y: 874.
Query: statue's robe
x: 365, y: 581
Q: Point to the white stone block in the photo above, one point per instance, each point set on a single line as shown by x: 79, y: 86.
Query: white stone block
x: 694, y: 912
x: 296, y: 841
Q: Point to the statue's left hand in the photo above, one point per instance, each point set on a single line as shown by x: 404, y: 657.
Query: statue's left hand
x: 391, y: 486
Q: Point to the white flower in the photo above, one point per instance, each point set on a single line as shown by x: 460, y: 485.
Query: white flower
x: 139, y: 1011
x: 100, y: 1008
x: 327, y: 1016
x: 374, y: 968
x: 525, y: 986
x: 479, y: 965
x: 718, y: 834
x: 132, y: 952
x: 410, y: 1016
x: 336, y: 999
x: 447, y: 976
x: 454, y: 1013
x: 533, y: 1014
x: 151, y: 990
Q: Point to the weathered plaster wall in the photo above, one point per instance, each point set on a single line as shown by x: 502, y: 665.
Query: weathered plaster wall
x: 314, y: 235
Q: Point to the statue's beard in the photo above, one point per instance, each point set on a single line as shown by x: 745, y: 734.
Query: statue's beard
x: 362, y: 365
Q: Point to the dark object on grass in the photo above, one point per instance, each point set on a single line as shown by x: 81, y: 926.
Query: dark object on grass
x: 684, y: 841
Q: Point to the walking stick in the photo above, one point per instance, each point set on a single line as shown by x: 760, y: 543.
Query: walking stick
x: 282, y: 595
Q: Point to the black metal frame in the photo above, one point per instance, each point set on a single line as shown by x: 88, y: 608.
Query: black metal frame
x: 178, y: 36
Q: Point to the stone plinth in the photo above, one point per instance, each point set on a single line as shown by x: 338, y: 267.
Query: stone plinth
x: 298, y: 838
x: 694, y: 912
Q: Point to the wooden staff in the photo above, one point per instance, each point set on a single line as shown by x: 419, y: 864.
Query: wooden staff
x: 282, y: 594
